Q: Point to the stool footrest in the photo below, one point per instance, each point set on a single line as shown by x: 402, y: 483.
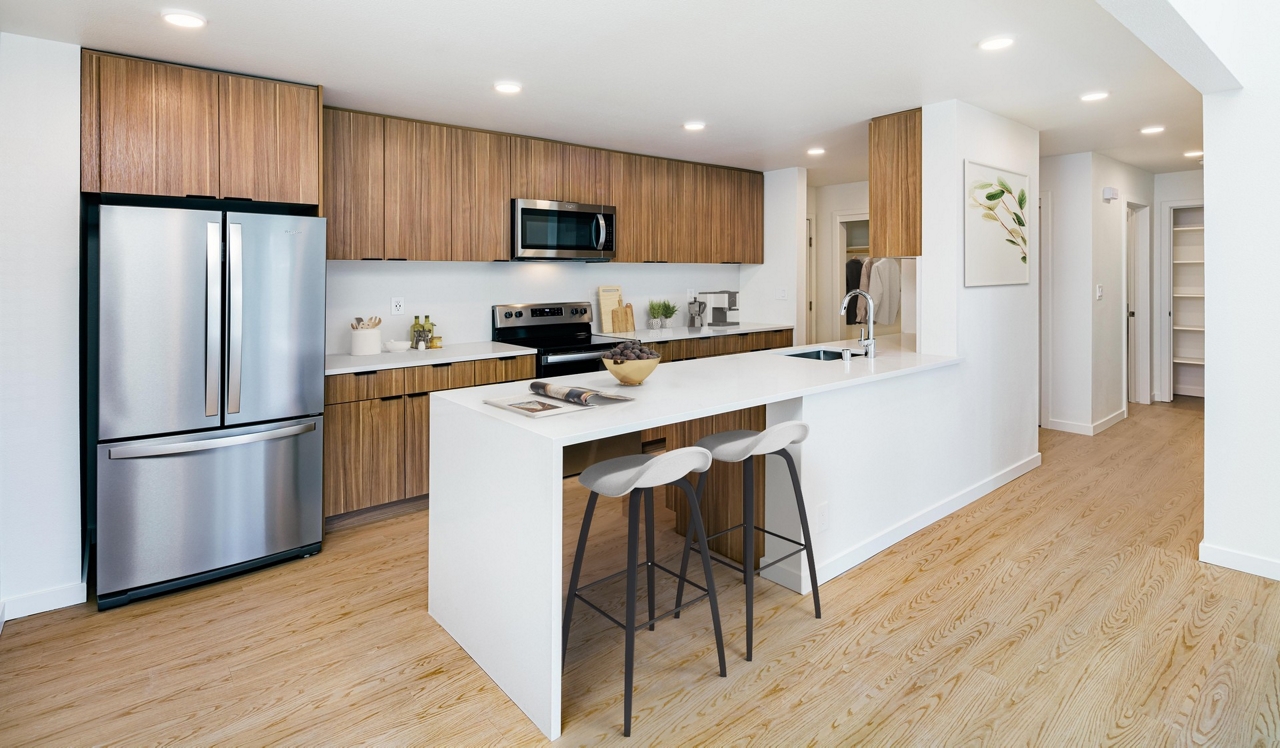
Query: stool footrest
x: 642, y: 624
x: 738, y: 567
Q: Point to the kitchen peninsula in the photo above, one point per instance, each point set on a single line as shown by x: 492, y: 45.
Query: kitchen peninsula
x: 872, y: 457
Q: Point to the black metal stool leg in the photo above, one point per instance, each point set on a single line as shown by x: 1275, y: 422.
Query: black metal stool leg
x: 577, y: 572
x: 695, y: 516
x: 804, y: 528
x: 688, y: 545
x: 648, y: 551
x: 749, y: 543
x: 633, y: 552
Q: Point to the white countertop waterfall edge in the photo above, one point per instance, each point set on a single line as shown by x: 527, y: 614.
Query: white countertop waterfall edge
x: 342, y: 363
x: 685, y: 390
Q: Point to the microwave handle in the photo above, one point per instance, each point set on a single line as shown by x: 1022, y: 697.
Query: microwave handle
x: 603, y: 228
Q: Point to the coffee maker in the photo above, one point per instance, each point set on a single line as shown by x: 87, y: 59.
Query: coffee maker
x: 722, y: 307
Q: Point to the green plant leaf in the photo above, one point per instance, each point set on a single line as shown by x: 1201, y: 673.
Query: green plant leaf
x: 1012, y: 242
x: 994, y: 195
x: 1004, y: 185
x: 989, y: 216
x: 1022, y: 199
x: 1017, y: 218
x: 1024, y: 259
x: 982, y: 185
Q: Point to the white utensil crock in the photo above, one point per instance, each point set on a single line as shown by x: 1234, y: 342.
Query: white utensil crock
x: 366, y: 342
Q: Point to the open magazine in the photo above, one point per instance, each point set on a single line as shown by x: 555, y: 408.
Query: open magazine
x: 553, y: 399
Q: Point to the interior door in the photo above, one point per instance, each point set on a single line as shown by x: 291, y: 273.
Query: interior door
x: 159, y: 321
x: 275, y: 317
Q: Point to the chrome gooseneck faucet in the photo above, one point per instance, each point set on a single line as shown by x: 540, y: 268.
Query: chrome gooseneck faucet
x: 869, y: 341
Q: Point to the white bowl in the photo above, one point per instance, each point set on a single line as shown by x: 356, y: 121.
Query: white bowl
x: 397, y: 346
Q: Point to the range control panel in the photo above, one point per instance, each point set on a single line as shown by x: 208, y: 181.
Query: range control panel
x: 523, y: 315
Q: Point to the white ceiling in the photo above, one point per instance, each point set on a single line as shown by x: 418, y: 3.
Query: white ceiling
x: 769, y: 78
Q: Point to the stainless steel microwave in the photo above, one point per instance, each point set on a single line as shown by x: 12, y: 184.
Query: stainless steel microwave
x: 549, y: 230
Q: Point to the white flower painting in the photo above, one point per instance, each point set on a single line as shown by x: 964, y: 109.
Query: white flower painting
x: 996, y: 227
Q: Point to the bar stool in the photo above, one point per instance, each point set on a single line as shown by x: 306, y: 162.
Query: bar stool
x: 637, y: 475
x: 741, y: 446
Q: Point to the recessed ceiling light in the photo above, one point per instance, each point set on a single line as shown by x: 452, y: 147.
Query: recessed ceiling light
x: 1193, y: 154
x: 1095, y: 96
x: 695, y: 125
x: 1153, y: 130
x: 507, y: 87
x: 185, y: 19
x: 817, y: 151
x: 999, y: 42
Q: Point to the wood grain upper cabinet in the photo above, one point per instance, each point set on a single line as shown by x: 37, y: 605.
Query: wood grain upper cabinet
x: 585, y: 175
x: 270, y: 144
x: 148, y: 128
x: 753, y: 215
x: 419, y: 198
x: 480, y: 180
x: 631, y: 192
x: 537, y: 169
x: 353, y: 177
x: 895, y: 184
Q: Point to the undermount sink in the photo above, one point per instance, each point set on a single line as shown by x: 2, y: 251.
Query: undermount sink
x: 821, y: 354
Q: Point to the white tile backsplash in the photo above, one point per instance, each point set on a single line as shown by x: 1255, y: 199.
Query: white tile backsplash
x: 458, y: 295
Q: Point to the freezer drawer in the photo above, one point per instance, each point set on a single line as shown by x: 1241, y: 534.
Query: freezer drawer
x: 182, y: 505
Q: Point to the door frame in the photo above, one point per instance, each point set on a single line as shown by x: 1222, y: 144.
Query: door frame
x: 1138, y: 262
x: 837, y: 267
x: 1046, y: 307
x: 1162, y: 305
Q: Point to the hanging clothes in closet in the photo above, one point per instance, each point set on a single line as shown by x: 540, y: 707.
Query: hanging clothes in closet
x: 852, y: 277
x: 886, y: 290
x: 864, y: 283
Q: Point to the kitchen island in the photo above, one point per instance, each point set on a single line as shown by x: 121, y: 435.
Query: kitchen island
x: 874, y: 470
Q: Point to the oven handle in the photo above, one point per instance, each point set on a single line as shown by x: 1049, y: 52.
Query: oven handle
x: 564, y: 358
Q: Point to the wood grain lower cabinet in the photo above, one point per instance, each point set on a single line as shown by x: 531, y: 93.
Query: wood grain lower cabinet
x: 364, y: 454
x: 510, y: 369
x: 440, y: 377
x: 367, y: 385
x: 417, y: 444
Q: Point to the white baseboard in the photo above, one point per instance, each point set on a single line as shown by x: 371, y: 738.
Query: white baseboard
x: 1246, y: 562
x: 2, y: 619
x: 1109, y: 421
x: 1186, y: 389
x: 1088, y: 429
x: 1071, y: 427
x: 851, y: 557
x: 39, y: 602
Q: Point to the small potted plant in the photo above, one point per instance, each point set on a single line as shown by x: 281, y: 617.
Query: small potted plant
x: 655, y: 315
x: 667, y: 311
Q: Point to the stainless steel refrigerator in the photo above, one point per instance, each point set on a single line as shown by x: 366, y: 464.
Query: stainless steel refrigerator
x: 210, y: 391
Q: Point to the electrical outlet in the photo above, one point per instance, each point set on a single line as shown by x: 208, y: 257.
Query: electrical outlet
x: 397, y: 305
x: 821, y: 517
x: 782, y: 294
x: 1099, y: 290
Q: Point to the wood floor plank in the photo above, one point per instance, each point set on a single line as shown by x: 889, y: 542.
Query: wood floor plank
x: 1066, y: 608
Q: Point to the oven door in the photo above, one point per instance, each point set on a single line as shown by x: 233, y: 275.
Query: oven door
x: 546, y: 230
x: 561, y: 363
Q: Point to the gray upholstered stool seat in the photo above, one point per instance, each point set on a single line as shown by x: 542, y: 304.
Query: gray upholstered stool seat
x: 741, y: 446
x: 637, y: 475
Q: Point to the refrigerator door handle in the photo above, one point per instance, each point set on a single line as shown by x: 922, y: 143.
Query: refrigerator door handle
x: 235, y: 321
x: 213, y: 318
x: 159, y: 450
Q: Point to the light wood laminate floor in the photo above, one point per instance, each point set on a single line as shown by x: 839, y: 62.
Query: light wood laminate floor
x: 1066, y: 608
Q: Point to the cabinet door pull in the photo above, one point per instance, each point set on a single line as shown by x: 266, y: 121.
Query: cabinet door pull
x: 364, y: 374
x: 413, y: 394
x: 390, y: 397
x: 441, y: 366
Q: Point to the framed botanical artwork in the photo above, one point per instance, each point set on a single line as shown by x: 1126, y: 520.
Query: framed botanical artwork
x: 996, y: 226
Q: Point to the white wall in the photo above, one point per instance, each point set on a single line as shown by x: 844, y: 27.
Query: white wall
x: 833, y: 199
x: 1241, y: 510
x: 783, y: 270
x: 458, y: 295
x: 1179, y: 185
x: 1069, y: 181
x: 40, y: 545
x: 995, y: 328
x: 1110, y: 400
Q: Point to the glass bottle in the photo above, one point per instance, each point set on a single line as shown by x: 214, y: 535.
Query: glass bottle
x: 415, y: 332
x: 429, y: 329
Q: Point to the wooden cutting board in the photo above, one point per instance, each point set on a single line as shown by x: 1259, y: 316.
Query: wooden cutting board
x: 623, y: 319
x: 610, y: 299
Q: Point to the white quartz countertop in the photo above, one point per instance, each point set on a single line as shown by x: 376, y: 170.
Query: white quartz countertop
x: 683, y: 333
x: 684, y: 390
x: 341, y: 363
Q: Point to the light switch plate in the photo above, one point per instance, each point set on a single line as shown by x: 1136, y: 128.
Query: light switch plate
x: 782, y: 294
x: 397, y: 305
x: 1099, y: 290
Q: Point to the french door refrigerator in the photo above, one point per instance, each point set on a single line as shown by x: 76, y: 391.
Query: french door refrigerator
x: 210, y: 395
